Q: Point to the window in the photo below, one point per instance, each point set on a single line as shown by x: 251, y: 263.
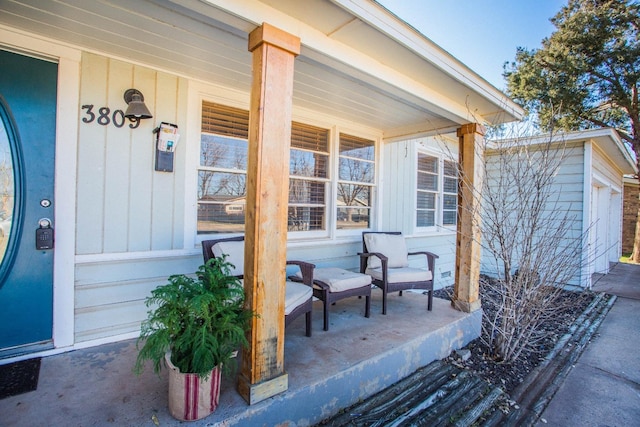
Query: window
x: 437, y: 192
x: 356, y: 178
x: 223, y: 169
x: 450, y: 193
x: 308, y: 169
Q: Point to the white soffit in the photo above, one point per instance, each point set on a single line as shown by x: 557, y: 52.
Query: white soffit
x: 370, y: 28
x: 358, y: 61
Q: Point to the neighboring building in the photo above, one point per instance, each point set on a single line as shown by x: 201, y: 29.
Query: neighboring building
x: 630, y: 213
x: 370, y: 95
x: 588, y: 187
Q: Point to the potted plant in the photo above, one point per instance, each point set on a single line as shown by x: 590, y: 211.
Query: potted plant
x: 195, y: 326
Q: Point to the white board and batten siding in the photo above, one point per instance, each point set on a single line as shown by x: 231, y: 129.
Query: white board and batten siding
x: 398, y: 210
x: 130, y: 218
x: 123, y: 204
x: 132, y: 222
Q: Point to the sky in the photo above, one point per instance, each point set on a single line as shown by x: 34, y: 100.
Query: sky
x: 482, y: 34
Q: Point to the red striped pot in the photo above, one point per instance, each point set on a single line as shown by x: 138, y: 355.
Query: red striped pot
x: 191, y: 397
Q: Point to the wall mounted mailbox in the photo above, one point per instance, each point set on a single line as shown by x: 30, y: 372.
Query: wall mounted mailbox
x: 166, y: 140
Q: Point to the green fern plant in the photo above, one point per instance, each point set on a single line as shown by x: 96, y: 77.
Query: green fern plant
x: 201, y: 320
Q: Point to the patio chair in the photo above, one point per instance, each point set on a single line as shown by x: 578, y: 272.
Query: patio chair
x: 298, y: 296
x: 333, y: 284
x: 386, y: 259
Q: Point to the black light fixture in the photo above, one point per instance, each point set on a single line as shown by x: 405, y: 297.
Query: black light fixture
x: 136, y: 109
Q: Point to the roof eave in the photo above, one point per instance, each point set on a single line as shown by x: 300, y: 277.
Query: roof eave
x: 394, y: 27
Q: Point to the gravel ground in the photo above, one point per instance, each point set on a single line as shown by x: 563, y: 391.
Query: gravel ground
x: 508, y: 376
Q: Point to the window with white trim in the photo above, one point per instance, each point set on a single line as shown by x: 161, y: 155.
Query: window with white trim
x: 356, y: 182
x: 223, y: 168
x: 449, y: 193
x: 222, y: 173
x: 309, y: 172
x: 437, y: 192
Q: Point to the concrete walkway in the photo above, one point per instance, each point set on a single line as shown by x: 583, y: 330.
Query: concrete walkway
x: 603, y: 388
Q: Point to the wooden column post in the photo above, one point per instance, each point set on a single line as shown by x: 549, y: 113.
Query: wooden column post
x: 466, y: 296
x: 262, y: 370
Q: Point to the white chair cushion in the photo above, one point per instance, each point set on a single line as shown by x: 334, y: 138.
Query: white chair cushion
x: 339, y: 279
x: 235, y: 255
x: 295, y: 294
x: 392, y: 246
x: 399, y: 275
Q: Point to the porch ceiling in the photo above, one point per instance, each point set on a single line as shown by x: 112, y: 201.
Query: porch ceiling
x: 358, y: 61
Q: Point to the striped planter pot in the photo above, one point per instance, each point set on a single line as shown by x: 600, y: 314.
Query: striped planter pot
x: 191, y: 397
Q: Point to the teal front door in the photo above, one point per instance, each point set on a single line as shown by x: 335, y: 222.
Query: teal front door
x: 27, y: 154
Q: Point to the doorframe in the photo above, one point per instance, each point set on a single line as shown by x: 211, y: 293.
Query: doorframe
x: 587, y: 260
x: 66, y: 140
x: 615, y: 218
x: 600, y: 222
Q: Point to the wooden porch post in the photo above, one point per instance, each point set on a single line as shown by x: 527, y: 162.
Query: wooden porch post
x: 466, y: 296
x: 262, y: 370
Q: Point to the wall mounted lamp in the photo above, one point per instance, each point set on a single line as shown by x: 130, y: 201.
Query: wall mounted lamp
x: 136, y: 109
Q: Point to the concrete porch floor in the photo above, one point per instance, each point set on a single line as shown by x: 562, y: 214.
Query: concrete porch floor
x: 331, y: 370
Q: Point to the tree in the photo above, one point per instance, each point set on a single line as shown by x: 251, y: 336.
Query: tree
x: 530, y: 238
x: 586, y: 74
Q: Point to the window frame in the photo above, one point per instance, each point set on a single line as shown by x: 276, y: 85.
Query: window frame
x: 308, y: 234
x: 456, y: 165
x: 374, y: 207
x: 238, y: 128
x: 229, y: 205
x: 438, y: 226
x: 331, y: 182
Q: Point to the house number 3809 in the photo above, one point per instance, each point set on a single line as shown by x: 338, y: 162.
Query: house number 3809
x: 105, y: 117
